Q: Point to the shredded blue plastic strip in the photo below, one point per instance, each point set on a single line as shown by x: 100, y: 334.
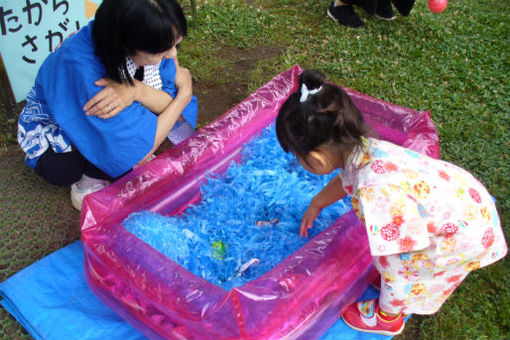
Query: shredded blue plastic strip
x: 248, y: 220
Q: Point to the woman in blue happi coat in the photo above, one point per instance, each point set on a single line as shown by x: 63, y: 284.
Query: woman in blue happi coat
x: 107, y: 98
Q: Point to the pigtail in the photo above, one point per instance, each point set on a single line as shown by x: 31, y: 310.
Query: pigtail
x: 312, y: 79
x: 349, y: 127
x: 310, y: 84
x: 349, y: 124
x: 353, y: 119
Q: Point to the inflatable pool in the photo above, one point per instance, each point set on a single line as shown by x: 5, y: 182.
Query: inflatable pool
x: 299, y: 298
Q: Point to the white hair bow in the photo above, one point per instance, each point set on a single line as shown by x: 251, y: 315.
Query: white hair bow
x: 305, y: 92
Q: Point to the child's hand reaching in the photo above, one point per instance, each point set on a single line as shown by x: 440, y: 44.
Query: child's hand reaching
x: 327, y: 196
x: 310, y: 215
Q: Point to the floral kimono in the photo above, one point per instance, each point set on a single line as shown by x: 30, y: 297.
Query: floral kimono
x: 429, y: 223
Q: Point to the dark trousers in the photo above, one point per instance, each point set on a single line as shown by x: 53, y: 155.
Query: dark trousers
x: 67, y: 168
x: 368, y: 5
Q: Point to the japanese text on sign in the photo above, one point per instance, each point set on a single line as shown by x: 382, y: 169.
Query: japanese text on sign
x: 32, y: 29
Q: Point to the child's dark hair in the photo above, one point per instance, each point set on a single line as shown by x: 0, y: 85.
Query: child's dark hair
x: 328, y: 116
x: 123, y: 27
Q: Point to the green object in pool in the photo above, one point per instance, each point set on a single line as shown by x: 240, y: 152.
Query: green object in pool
x: 219, y: 249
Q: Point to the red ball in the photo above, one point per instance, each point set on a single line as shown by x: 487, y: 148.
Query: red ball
x: 437, y: 6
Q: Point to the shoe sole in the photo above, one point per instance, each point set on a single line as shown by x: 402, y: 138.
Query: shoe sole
x: 384, y: 18
x: 374, y: 332
x: 331, y: 16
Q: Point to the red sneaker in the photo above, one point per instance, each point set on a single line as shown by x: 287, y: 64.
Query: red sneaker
x: 364, y: 316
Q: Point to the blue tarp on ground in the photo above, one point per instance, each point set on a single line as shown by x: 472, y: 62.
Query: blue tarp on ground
x: 52, y: 301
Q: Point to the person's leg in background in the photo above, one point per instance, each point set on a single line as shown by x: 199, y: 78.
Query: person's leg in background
x: 343, y: 13
x: 404, y: 7
x: 383, y: 10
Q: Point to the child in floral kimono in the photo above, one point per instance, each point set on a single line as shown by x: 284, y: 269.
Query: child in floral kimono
x: 429, y: 222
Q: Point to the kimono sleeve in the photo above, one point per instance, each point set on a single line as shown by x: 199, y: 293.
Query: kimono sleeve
x: 167, y: 72
x: 394, y: 220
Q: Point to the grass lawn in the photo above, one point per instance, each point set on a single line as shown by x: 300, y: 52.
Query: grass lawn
x: 455, y: 64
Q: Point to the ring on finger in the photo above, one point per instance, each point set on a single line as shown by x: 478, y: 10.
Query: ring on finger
x: 108, y: 108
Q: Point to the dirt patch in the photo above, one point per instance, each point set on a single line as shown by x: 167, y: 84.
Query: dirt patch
x: 214, y: 99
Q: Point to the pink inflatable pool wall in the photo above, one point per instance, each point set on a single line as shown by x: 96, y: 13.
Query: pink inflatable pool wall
x: 299, y: 299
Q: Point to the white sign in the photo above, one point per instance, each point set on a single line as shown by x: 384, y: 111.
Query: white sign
x: 31, y: 29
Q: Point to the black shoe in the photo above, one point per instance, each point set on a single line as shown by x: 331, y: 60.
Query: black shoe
x: 344, y: 15
x: 404, y: 7
x: 384, y: 10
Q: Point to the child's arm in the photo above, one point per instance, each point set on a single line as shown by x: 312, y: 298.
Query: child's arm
x: 327, y: 196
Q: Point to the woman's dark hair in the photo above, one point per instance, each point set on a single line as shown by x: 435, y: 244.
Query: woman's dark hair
x: 123, y: 27
x: 326, y: 117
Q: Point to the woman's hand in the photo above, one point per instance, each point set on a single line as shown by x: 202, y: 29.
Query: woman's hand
x: 114, y: 98
x: 310, y: 215
x: 145, y: 160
